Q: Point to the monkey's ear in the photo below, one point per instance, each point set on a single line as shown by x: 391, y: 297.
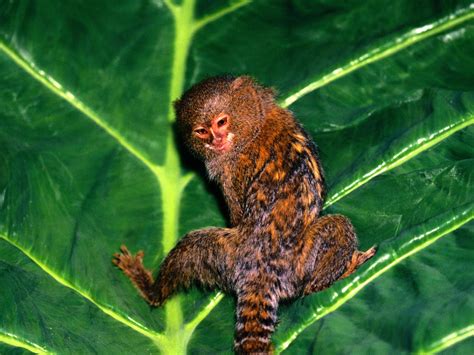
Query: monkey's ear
x: 241, y: 81
x: 270, y: 93
x: 246, y: 92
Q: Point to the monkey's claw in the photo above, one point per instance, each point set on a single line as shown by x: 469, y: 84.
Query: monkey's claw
x: 127, y: 262
x: 132, y: 267
x: 363, y: 257
x: 358, y: 258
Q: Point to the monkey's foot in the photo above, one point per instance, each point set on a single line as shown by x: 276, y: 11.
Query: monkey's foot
x: 132, y: 266
x: 358, y: 258
x: 128, y: 263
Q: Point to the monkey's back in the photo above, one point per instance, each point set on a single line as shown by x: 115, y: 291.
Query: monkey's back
x: 275, y: 193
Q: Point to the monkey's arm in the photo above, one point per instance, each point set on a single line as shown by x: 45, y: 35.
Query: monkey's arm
x: 202, y: 256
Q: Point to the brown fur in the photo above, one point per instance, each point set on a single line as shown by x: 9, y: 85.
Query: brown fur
x: 278, y: 246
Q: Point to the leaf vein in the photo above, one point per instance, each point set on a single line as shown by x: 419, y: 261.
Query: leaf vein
x: 383, y: 264
x: 124, y: 319
x: 16, y: 341
x: 218, y: 14
x: 402, y: 156
x: 54, y: 86
x: 449, y: 340
x: 375, y: 54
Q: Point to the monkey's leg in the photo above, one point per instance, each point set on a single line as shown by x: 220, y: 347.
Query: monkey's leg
x: 257, y: 308
x: 329, y: 252
x: 201, y: 256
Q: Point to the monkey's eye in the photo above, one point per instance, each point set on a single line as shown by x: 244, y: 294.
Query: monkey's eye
x: 201, y: 132
x: 222, y: 121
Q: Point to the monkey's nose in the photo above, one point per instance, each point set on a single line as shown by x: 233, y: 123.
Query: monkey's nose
x: 212, y: 133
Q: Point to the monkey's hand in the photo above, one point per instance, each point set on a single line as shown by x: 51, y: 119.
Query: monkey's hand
x: 142, y: 278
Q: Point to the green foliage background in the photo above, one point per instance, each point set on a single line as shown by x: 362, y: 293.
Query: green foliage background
x: 88, y: 161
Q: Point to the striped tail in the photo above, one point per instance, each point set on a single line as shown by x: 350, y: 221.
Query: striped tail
x: 256, y: 319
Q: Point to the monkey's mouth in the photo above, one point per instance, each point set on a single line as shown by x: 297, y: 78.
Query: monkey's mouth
x: 223, y: 146
x: 220, y: 147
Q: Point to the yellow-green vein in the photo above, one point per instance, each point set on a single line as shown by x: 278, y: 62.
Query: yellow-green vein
x: 400, y: 157
x: 50, y: 83
x: 170, y: 179
x: 130, y: 322
x: 190, y: 326
x: 390, y: 47
x: 449, y: 340
x: 14, y: 340
x: 218, y: 14
x: 171, y: 6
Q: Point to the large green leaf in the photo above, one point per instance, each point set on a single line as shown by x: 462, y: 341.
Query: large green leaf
x: 88, y: 161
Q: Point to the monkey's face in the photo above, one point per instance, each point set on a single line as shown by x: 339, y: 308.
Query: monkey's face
x: 215, y: 135
x: 220, y: 116
x: 222, y: 129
